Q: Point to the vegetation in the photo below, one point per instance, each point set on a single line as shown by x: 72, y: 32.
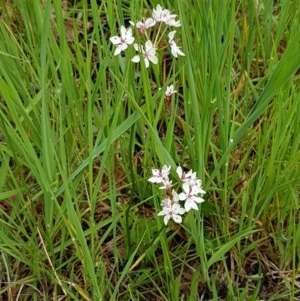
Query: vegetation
x: 81, y: 130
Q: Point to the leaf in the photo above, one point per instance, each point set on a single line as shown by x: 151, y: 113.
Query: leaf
x: 218, y: 255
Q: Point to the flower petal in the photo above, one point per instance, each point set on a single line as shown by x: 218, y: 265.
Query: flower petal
x: 171, y: 35
x: 123, y: 31
x: 118, y: 50
x: 115, y: 40
x: 153, y: 59
x: 136, y: 59
x: 179, y: 169
x: 189, y: 204
x: 166, y: 219
x: 177, y: 218
x: 182, y: 196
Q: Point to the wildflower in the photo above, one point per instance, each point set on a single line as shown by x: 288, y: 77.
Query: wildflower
x: 144, y: 25
x: 158, y: 14
x: 164, y: 15
x: 175, y: 196
x: 167, y: 184
x: 183, y: 176
x: 175, y: 50
x: 191, y: 189
x: 172, y: 22
x: 173, y: 212
x: 123, y: 41
x: 166, y: 203
x: 192, y: 181
x: 160, y: 176
x: 190, y: 197
x: 149, y: 53
x: 170, y: 90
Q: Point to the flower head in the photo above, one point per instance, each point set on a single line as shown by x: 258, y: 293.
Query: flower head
x: 171, y: 200
x: 195, y: 183
x: 160, y: 176
x: 160, y: 14
x: 175, y: 50
x: 167, y: 184
x: 157, y: 13
x: 172, y: 22
x: 183, y: 176
x: 123, y: 41
x: 170, y: 90
x: 144, y: 25
x: 172, y: 212
x: 149, y: 53
x: 189, y: 195
x: 166, y: 203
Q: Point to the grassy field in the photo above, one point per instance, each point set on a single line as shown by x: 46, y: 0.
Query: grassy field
x: 81, y: 130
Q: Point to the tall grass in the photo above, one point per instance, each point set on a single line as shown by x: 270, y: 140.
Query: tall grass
x: 80, y: 130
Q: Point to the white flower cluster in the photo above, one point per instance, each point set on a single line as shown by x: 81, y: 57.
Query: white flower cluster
x: 191, y: 189
x: 152, y: 32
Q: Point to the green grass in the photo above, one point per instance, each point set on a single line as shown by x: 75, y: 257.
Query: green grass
x: 80, y: 130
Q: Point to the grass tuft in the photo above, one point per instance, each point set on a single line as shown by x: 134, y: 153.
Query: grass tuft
x: 80, y: 130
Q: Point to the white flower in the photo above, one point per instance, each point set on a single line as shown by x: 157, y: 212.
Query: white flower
x: 165, y: 171
x: 170, y: 201
x: 195, y: 183
x: 191, y: 193
x: 172, y: 22
x: 167, y: 184
x: 175, y: 196
x: 160, y: 176
x: 157, y: 177
x: 184, y: 176
x: 149, y: 53
x: 123, y: 41
x: 166, y: 202
x: 175, y: 50
x: 144, y: 25
x: 164, y: 15
x: 157, y: 13
x: 190, y: 197
x: 173, y: 212
x: 170, y: 90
